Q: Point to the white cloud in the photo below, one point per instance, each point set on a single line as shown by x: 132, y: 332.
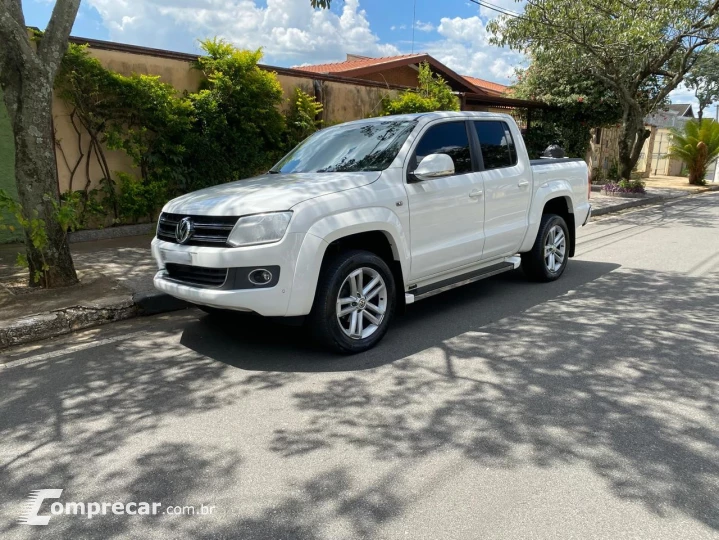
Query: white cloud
x: 465, y: 48
x: 289, y: 31
x: 424, y: 26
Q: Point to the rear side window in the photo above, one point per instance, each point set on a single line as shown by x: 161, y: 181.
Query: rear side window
x: 449, y: 138
x: 497, y: 145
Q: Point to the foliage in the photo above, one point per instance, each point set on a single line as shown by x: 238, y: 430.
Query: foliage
x: 638, y: 51
x: 704, y: 79
x: 697, y: 145
x: 598, y: 177
x: 230, y: 129
x: 302, y: 120
x: 432, y: 94
x: 139, y: 199
x: 635, y: 185
x: 66, y: 214
x: 576, y: 106
x: 239, y: 130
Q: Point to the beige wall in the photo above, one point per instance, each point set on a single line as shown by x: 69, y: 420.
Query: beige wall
x: 342, y: 102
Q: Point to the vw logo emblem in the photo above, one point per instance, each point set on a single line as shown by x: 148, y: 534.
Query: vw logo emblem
x: 184, y: 230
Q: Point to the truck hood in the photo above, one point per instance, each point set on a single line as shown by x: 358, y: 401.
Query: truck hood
x: 266, y: 193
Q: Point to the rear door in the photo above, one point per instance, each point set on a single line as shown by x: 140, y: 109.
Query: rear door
x: 446, y: 214
x: 507, y: 189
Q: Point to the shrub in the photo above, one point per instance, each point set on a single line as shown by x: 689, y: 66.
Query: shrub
x: 433, y: 94
x: 625, y: 186
x: 238, y: 128
x: 302, y: 119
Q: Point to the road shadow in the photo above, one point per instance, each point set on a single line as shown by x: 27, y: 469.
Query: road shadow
x: 256, y: 344
x: 620, y: 376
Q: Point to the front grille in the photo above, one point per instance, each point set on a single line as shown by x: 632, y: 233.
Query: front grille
x: 209, y: 230
x: 197, y: 275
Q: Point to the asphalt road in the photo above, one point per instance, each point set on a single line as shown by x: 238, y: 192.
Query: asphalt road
x: 586, y: 408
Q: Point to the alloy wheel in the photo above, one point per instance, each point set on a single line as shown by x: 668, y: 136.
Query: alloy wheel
x: 361, y: 303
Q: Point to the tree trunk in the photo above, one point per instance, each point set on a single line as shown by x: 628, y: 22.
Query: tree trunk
x: 29, y: 101
x: 632, y: 136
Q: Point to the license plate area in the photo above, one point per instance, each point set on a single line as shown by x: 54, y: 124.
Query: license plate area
x: 177, y: 257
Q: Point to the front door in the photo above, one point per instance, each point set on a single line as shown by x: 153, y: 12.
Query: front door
x: 507, y: 189
x: 446, y: 214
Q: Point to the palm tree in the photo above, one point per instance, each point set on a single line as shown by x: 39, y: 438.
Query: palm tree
x: 697, y: 145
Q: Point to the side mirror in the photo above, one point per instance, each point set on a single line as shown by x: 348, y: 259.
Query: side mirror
x: 434, y: 166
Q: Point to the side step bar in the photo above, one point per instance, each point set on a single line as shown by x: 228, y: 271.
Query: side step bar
x: 510, y: 263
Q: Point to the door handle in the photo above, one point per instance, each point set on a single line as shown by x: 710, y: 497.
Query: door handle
x: 523, y: 183
x: 476, y: 194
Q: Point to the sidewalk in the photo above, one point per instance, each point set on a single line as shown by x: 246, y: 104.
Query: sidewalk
x: 115, y: 284
x: 116, y: 279
x: 659, y: 188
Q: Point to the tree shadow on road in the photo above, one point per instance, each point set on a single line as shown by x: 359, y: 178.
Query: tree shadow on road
x: 256, y: 344
x: 621, y: 375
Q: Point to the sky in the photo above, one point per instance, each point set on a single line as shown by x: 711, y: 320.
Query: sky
x: 291, y: 33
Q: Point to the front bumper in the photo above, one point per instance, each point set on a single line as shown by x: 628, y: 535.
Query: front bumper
x: 268, y: 301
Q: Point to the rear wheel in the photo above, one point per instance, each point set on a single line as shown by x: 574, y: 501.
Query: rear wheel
x: 549, y: 256
x: 355, y: 302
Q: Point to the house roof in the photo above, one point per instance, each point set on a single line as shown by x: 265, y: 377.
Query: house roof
x: 681, y: 109
x: 357, y: 66
x: 492, y: 87
x: 356, y: 62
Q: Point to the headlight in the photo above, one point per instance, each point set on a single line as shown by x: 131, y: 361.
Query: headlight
x: 259, y: 229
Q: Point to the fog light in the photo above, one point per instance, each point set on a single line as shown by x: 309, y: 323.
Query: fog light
x: 260, y: 277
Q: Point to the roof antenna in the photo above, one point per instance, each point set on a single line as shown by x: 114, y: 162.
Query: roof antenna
x: 414, y: 19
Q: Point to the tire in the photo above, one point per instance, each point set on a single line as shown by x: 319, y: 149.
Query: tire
x: 542, y: 266
x: 341, y: 274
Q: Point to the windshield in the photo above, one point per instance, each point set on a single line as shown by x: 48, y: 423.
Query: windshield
x: 351, y: 148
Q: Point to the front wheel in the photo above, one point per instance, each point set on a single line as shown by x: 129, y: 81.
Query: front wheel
x: 355, y: 302
x: 549, y: 256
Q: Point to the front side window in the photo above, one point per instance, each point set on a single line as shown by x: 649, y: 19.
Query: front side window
x: 495, y: 140
x: 370, y: 146
x: 449, y: 138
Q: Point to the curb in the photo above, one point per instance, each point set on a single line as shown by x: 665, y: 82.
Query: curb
x: 649, y: 200
x: 66, y: 320
x: 122, y: 231
x: 629, y: 204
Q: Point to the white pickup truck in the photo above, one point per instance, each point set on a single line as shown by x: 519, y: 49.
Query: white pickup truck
x: 366, y: 217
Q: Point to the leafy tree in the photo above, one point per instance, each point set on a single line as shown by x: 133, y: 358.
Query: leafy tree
x: 238, y: 119
x: 577, y: 105
x: 697, y: 145
x: 433, y: 94
x: 704, y: 79
x: 639, y: 50
x: 27, y: 73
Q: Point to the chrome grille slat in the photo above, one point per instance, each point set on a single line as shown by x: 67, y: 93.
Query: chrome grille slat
x: 209, y: 230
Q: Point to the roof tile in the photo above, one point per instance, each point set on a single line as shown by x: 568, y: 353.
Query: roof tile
x: 339, y: 67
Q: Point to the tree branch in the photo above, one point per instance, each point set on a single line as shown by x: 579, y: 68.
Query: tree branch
x: 54, y: 42
x: 14, y: 36
x: 15, y: 9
